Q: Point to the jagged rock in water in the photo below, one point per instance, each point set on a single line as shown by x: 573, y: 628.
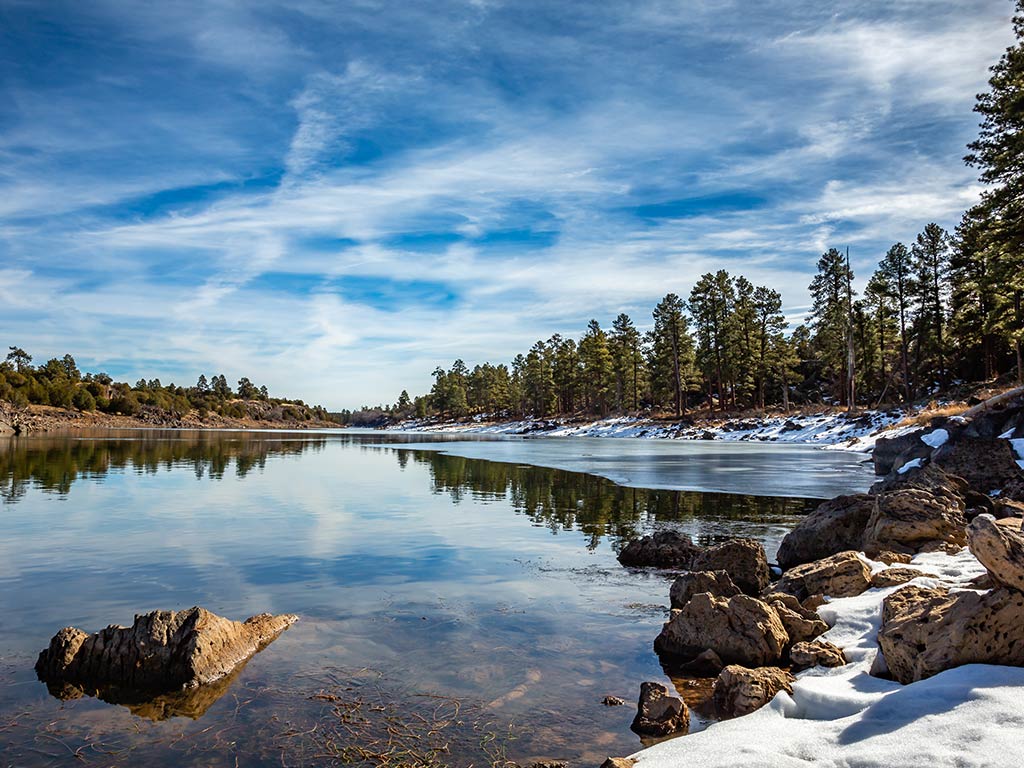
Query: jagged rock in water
x: 835, y: 526
x: 893, y: 577
x: 928, y: 630
x: 692, y: 583
x: 743, y: 559
x: 740, y: 629
x: 612, y: 701
x: 658, y: 713
x: 707, y: 663
x: 161, y: 651
x: 800, y: 624
x: 841, y: 575
x: 1000, y: 549
x: 987, y: 464
x: 664, y: 549
x: 915, y: 520
x: 740, y: 691
x: 819, y: 653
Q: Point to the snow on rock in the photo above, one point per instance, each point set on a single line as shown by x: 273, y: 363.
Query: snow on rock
x: 935, y: 439
x: 843, y: 717
x: 1018, y: 447
x: 909, y: 466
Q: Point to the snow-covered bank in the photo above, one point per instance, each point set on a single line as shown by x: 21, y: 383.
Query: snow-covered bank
x: 967, y: 716
x: 824, y: 428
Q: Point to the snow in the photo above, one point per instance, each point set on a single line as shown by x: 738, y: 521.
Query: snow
x: 935, y: 439
x: 913, y: 464
x: 1018, y: 447
x: 845, y: 718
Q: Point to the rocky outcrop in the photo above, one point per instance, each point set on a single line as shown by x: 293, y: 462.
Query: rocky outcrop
x: 986, y: 464
x: 928, y: 630
x: 891, y: 453
x: 819, y: 653
x: 743, y: 559
x: 706, y: 664
x: 914, y: 520
x: 1000, y: 549
x: 658, y: 713
x: 161, y: 651
x: 692, y: 583
x: 664, y: 549
x: 739, y: 691
x: 841, y: 575
x: 835, y: 526
x: 740, y: 629
x: 893, y: 577
x: 800, y: 624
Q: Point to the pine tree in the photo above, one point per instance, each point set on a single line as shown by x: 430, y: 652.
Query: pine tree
x: 770, y: 358
x: 830, y: 318
x: 627, y: 362
x: 597, y: 367
x: 930, y: 263
x: 670, y: 353
x: 711, y: 305
x: 895, y: 277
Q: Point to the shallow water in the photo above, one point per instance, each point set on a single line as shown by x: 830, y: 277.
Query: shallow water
x: 480, y: 596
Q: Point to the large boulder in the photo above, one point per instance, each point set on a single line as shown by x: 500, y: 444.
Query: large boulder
x: 928, y: 630
x: 800, y: 623
x: 915, y: 520
x: 987, y: 464
x: 739, y: 691
x: 743, y: 559
x: 835, y: 526
x: 664, y: 549
x: 841, y: 575
x: 658, y: 713
x: 1000, y: 549
x: 161, y: 651
x: 740, y: 629
x: 819, y: 653
x: 891, y: 453
x: 692, y: 583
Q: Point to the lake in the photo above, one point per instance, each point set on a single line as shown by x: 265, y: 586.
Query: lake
x: 459, y: 599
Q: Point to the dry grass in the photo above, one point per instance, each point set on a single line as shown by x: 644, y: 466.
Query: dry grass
x: 933, y: 410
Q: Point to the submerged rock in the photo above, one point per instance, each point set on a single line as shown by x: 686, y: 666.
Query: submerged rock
x: 1000, y: 549
x: 740, y: 629
x: 819, y: 653
x: 664, y: 549
x: 740, y: 691
x: 743, y: 559
x: 692, y: 583
x: 161, y: 651
x: 841, y: 575
x: 658, y: 713
x: 928, y: 630
x: 835, y: 526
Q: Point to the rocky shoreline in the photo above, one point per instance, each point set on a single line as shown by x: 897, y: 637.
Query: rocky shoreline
x: 920, y: 578
x: 37, y: 419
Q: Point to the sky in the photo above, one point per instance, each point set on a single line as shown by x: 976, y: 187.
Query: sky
x: 332, y: 198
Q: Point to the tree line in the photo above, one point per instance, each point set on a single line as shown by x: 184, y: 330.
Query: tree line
x: 59, y: 382
x: 948, y: 308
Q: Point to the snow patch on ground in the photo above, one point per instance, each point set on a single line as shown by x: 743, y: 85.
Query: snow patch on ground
x: 827, y: 429
x: 843, y: 717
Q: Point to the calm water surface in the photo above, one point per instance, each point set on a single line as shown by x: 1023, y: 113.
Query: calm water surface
x: 454, y: 610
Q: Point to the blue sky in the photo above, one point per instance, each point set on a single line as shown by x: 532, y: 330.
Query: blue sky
x: 333, y: 197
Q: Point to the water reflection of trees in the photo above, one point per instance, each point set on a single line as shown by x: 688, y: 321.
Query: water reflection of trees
x: 55, y: 463
x: 597, y: 507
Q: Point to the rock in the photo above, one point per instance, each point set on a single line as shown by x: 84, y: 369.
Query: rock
x: 739, y: 691
x: 664, y: 549
x: 928, y: 630
x: 888, y: 557
x: 914, y: 520
x: 658, y: 713
x: 1000, y: 549
x: 161, y: 651
x: 740, y: 629
x: 891, y: 453
x: 1003, y: 509
x: 841, y: 575
x: 819, y: 653
x: 835, y: 526
x: 743, y: 559
x: 612, y: 701
x: 987, y: 464
x: 689, y: 584
x: 799, y: 623
x: 618, y: 762
x: 893, y: 577
x: 706, y: 664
